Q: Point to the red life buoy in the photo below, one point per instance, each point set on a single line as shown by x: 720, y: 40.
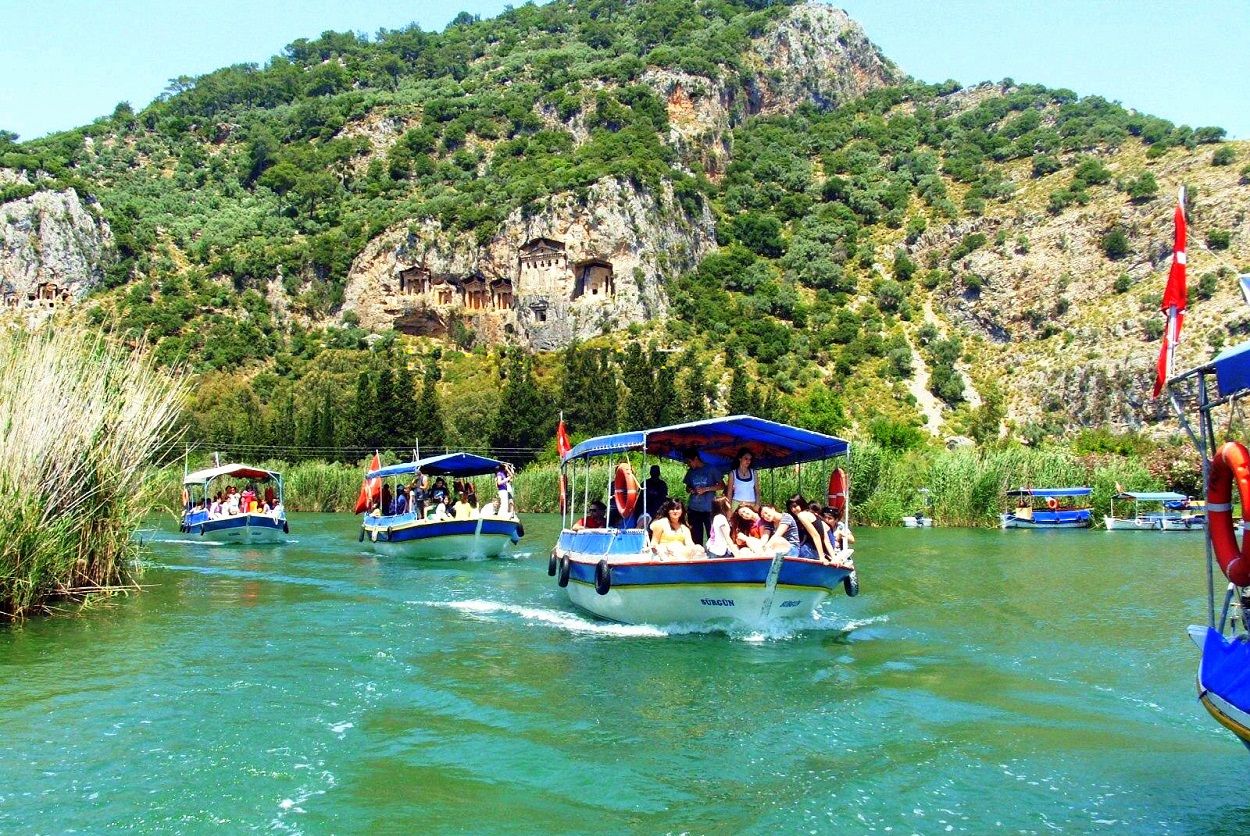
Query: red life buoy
x: 625, y: 490
x: 1052, y: 503
x: 837, y: 489
x: 1231, y: 463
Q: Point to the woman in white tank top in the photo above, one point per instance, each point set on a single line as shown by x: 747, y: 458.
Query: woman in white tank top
x: 743, y: 485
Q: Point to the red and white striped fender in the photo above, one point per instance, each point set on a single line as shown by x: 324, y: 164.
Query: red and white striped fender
x: 1231, y: 464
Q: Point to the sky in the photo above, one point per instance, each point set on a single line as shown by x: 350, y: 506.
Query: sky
x: 66, y: 62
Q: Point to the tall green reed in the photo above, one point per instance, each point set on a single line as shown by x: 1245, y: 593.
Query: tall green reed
x: 81, y: 424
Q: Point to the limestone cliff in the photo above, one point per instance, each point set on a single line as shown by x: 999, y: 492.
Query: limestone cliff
x: 571, y: 269
x: 53, y: 245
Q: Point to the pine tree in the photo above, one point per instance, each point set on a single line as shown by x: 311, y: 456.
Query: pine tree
x: 404, y: 419
x: 360, y: 430
x: 740, y: 401
x: 385, y: 407
x: 325, y: 426
x: 526, y: 414
x: 696, y: 393
x: 427, y: 416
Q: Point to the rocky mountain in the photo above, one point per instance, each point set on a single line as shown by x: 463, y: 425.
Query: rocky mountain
x: 751, y: 184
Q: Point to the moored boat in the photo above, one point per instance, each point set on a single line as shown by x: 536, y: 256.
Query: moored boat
x: 922, y: 518
x: 1143, y: 519
x: 238, y: 517
x: 1047, y: 508
x: 417, y: 531
x: 611, y: 572
x: 1189, y: 515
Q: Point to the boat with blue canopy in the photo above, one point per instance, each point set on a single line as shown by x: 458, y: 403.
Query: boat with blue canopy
x: 1196, y: 396
x: 1186, y: 515
x: 420, y: 526
x: 1047, y: 508
x: 613, y: 572
x: 1158, y: 506
x: 248, y: 514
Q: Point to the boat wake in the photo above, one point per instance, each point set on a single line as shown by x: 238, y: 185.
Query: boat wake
x: 573, y: 623
x: 552, y: 618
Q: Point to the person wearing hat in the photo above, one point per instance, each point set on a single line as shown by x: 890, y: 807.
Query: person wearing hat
x: 596, y: 517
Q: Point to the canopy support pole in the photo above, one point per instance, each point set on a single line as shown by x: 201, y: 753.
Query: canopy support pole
x: 1205, y: 430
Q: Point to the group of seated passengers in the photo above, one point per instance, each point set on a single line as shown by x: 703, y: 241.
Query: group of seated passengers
x: 804, y: 529
x: 231, y: 502
x: 434, y: 501
x: 736, y: 524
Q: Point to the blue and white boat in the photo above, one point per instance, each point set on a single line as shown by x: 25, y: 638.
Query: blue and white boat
x: 611, y: 573
x: 1047, y: 508
x: 1223, y: 680
x: 1187, y: 515
x: 243, y: 526
x: 1148, y: 519
x: 411, y: 534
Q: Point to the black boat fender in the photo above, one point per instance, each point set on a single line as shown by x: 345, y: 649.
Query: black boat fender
x: 286, y: 529
x: 520, y: 531
x: 603, y: 577
x: 361, y: 538
x: 563, y: 579
x: 851, y: 584
x: 552, y: 564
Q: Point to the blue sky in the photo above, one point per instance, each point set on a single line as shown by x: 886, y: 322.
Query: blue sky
x: 66, y: 62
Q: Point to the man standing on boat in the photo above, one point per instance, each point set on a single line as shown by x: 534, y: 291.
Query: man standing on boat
x: 702, y: 482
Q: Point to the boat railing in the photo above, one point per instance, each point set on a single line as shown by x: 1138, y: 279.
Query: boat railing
x: 604, y: 541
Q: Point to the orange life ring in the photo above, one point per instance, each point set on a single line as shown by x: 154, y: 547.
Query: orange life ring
x: 625, y: 490
x: 837, y: 489
x: 1052, y: 503
x: 1231, y: 463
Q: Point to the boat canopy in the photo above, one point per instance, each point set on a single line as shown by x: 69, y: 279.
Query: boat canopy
x: 448, y: 464
x: 1046, y: 493
x: 1140, y: 496
x: 237, y: 471
x: 1232, y: 370
x: 718, y: 440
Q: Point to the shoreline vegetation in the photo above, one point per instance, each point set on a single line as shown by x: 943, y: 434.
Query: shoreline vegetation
x: 82, y: 422
x: 966, y: 486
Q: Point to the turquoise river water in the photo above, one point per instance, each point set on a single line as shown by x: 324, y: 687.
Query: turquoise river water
x: 984, y: 681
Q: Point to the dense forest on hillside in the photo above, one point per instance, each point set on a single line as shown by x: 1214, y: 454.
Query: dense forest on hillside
x: 808, y: 309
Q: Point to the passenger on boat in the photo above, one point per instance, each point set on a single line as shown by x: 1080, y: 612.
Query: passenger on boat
x: 462, y: 510
x: 439, y: 492
x: 247, y: 500
x: 811, y: 528
x: 720, y: 542
x: 840, y: 535
x: 417, y: 495
x: 702, y: 484
x: 670, y: 536
x: 232, y: 502
x: 470, y: 492
x: 489, y: 509
x: 437, y: 512
x: 654, y: 491
x: 782, y: 531
x: 216, y: 509
x: 1024, y: 511
x: 401, y: 501
x: 596, y: 517
x: 277, y: 511
x: 503, y: 484
x: 743, y: 485
x: 747, y: 530
x: 270, y: 496
x: 388, y: 500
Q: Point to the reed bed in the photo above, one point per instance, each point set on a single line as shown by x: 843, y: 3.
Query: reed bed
x: 81, y: 424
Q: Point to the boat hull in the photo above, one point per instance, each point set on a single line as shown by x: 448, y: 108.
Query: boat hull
x: 1185, y: 524
x: 1134, y: 524
x: 751, y: 592
x: 245, y: 529
x: 441, y: 540
x: 1048, y: 519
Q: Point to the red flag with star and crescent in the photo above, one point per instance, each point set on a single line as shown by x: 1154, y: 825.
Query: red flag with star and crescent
x: 563, y: 446
x: 1174, y: 297
x: 370, y: 489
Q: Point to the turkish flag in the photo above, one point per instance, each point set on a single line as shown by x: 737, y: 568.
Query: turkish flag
x: 370, y: 489
x: 1175, y: 295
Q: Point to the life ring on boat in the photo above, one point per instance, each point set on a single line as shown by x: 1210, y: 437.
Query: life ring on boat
x: 563, y: 579
x: 1231, y: 464
x: 850, y: 584
x: 552, y: 565
x: 837, y: 489
x: 603, y: 577
x: 1052, y: 503
x: 625, y: 490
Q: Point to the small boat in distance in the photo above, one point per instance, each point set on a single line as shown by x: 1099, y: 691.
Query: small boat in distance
x: 416, y: 531
x: 613, y: 572
x: 924, y: 517
x: 1047, y: 508
x: 1147, y: 519
x: 1187, y: 515
x: 238, y: 516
